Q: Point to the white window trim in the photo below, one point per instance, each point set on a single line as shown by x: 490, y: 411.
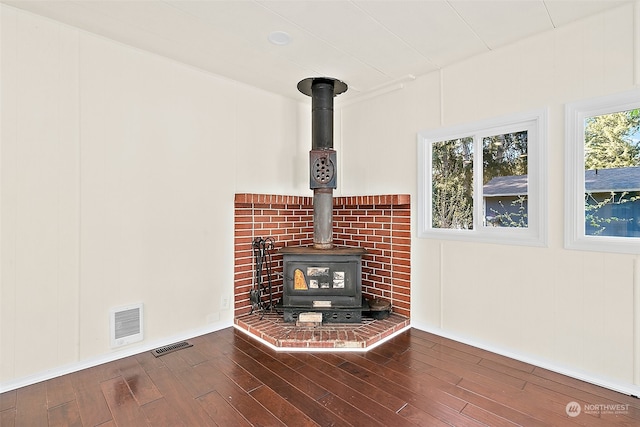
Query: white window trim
x: 536, y: 232
x: 575, y: 114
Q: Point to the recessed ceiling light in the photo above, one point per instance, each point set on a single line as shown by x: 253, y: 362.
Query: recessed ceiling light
x: 280, y: 38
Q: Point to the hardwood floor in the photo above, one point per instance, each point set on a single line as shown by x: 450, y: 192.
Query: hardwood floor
x: 229, y: 379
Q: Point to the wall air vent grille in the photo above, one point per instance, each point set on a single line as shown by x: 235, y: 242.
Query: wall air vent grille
x: 126, y: 325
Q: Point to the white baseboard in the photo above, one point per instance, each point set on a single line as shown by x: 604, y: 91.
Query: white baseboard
x: 110, y: 357
x: 625, y: 388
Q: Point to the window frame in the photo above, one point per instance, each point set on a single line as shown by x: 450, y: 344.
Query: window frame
x: 535, y: 234
x: 574, y: 221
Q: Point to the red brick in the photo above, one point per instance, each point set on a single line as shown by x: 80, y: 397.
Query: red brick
x: 290, y: 220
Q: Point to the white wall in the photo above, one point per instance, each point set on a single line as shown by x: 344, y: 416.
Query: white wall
x: 567, y: 310
x: 118, y: 170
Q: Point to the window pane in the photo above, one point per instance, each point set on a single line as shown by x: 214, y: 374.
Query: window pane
x: 452, y: 184
x: 612, y: 174
x: 453, y: 172
x: 504, y: 178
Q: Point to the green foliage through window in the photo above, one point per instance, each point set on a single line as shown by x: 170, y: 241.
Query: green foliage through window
x: 609, y: 140
x: 452, y: 184
x: 504, y: 155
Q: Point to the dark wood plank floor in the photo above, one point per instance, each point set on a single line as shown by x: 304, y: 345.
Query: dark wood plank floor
x: 228, y: 379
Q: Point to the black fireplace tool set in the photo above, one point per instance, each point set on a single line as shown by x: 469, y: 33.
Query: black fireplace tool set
x: 262, y: 248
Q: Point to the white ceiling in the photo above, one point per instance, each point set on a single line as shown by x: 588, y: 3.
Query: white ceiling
x: 368, y: 44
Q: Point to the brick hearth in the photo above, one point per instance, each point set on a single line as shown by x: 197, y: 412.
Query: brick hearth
x: 272, y: 329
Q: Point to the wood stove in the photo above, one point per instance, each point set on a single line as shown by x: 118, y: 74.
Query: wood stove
x: 326, y: 281
x: 322, y: 278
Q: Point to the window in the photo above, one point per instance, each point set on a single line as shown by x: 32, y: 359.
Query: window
x: 602, y: 211
x: 484, y: 181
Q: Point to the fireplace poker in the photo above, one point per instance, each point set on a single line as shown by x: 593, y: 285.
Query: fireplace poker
x: 262, y: 254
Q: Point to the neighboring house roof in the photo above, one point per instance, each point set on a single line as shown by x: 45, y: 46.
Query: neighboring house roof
x: 512, y: 185
x: 614, y: 179
x: 595, y: 181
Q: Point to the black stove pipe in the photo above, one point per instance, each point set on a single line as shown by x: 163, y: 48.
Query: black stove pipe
x: 322, y: 90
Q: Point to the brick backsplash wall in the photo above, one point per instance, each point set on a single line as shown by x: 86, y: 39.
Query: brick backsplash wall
x: 380, y: 224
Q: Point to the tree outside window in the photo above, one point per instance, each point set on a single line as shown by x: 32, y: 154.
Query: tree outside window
x: 452, y: 184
